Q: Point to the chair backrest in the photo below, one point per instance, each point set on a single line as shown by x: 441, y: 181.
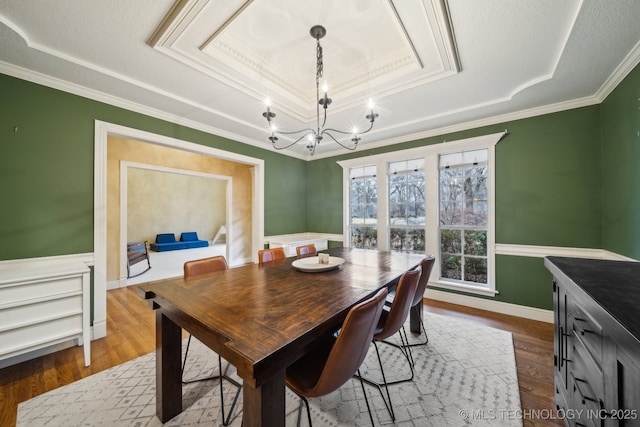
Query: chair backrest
x: 267, y: 255
x: 351, y: 346
x: 306, y: 250
x: 397, y: 315
x: 204, y: 266
x: 426, y: 265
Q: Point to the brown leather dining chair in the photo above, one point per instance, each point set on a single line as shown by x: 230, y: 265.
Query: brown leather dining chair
x: 306, y: 250
x: 390, y: 323
x: 425, y: 267
x: 268, y: 255
x: 194, y: 269
x: 204, y: 266
x: 337, y: 358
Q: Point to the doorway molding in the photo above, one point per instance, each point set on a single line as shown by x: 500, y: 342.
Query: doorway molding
x: 102, y: 130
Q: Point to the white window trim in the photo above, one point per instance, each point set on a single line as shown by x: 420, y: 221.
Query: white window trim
x: 431, y: 155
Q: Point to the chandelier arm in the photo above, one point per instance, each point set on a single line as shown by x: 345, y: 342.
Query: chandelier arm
x: 306, y: 131
x: 370, y: 127
x: 290, y: 145
x: 338, y: 142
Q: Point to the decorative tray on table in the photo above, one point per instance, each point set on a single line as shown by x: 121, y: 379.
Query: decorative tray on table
x: 313, y: 264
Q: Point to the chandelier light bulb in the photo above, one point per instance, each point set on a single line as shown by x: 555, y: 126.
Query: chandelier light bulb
x: 325, y: 87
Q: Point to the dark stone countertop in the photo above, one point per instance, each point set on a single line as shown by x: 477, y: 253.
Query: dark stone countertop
x: 615, y: 285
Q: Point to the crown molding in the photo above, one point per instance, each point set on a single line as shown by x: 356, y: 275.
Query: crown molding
x: 623, y: 69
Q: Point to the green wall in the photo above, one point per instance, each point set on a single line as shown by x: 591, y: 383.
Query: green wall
x: 620, y: 171
x: 46, y: 170
x: 566, y: 179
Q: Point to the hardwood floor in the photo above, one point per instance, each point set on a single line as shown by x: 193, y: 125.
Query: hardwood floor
x: 131, y: 333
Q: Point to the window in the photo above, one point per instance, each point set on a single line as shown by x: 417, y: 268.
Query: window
x: 406, y: 206
x: 363, y: 206
x: 464, y: 213
x: 436, y: 199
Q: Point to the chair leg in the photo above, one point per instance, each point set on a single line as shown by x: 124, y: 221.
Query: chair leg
x: 406, y: 352
x: 222, y: 375
x: 306, y: 404
x: 225, y: 421
x: 366, y: 399
x: 379, y: 386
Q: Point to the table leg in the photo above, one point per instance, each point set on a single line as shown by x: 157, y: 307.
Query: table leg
x: 415, y: 318
x: 264, y: 406
x: 168, y: 355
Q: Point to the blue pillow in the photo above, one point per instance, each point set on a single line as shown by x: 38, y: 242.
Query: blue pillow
x: 165, y: 238
x: 189, y: 236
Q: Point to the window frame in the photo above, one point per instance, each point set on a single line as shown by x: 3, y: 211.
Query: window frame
x: 431, y: 155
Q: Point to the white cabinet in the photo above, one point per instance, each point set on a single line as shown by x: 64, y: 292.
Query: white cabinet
x: 44, y: 305
x: 290, y: 242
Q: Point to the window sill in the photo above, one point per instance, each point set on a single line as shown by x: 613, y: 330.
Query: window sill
x: 463, y: 288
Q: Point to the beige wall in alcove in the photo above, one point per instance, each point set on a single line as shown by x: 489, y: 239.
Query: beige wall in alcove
x: 174, y: 202
x: 119, y: 149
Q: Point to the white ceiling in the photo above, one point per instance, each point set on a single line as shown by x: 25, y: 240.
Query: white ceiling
x: 430, y: 67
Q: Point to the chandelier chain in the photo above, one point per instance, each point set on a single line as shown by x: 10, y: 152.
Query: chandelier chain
x: 319, y: 64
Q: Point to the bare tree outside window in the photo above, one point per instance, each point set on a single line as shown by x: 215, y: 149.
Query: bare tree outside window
x: 363, y: 207
x: 463, y: 218
x: 407, y: 206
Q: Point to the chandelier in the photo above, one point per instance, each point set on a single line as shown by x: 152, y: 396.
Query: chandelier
x: 314, y: 136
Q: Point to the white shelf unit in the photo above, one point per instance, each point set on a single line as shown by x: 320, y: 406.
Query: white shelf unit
x: 44, y: 305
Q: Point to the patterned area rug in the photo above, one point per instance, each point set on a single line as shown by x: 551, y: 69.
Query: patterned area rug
x: 465, y: 375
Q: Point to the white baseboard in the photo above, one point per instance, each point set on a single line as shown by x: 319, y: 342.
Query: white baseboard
x: 99, y: 329
x: 489, y: 305
x: 115, y: 284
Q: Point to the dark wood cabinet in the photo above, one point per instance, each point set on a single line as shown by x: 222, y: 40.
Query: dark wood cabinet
x: 597, y: 341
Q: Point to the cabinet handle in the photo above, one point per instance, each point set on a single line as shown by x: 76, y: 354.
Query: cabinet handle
x: 563, y: 345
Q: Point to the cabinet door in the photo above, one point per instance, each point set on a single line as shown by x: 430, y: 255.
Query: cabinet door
x: 628, y: 375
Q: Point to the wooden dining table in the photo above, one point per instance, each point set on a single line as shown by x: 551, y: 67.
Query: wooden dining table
x: 261, y: 319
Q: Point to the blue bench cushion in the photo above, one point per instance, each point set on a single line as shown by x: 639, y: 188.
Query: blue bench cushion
x: 159, y: 247
x: 197, y: 244
x: 167, y: 242
x: 190, y: 238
